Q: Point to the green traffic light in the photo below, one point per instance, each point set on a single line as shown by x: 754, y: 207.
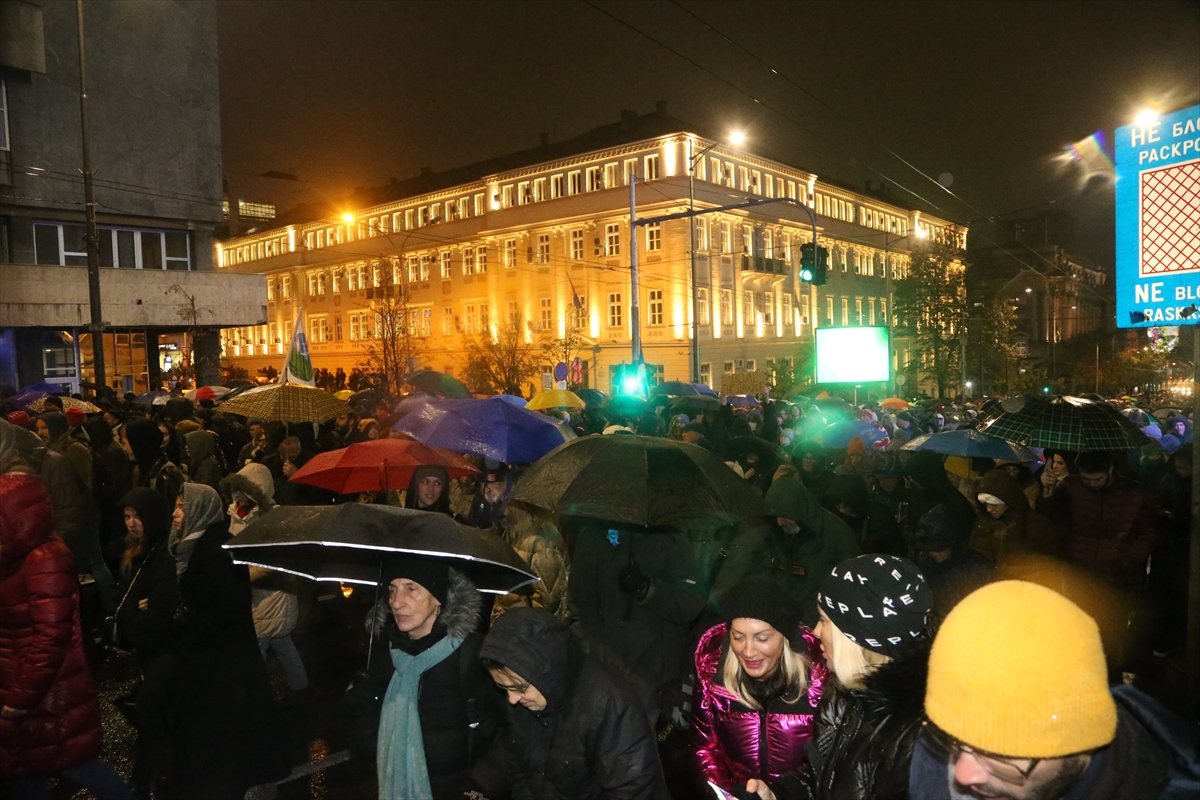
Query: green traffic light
x: 806, y: 275
x: 1046, y: 389
x: 631, y: 384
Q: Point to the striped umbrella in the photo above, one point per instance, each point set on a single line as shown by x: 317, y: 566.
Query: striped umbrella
x: 286, y: 402
x: 1063, y: 423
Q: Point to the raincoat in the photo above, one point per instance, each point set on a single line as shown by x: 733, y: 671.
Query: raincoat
x: 203, y: 461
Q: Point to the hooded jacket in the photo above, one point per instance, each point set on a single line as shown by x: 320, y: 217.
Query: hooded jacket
x: 276, y: 607
x: 592, y: 740
x: 203, y: 459
x: 927, y: 469
x: 1020, y: 532
x: 152, y: 579
x: 42, y: 667
x: 735, y: 743
x: 76, y: 453
x: 804, y: 558
x: 412, y: 497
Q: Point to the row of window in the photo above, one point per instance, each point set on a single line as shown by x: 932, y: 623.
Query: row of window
x: 858, y: 317
x: 63, y: 244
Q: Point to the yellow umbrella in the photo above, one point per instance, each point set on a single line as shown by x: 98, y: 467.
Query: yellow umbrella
x: 555, y: 398
x: 344, y: 394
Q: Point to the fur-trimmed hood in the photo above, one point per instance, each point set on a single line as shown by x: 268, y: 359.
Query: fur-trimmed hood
x: 460, y: 614
x: 254, y: 481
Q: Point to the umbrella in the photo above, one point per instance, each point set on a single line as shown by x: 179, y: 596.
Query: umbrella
x: 839, y: 434
x: 742, y: 446
x: 366, y: 396
x: 154, y: 397
x: 239, y: 383
x: 376, y: 466
x: 519, y: 402
x: 349, y: 542
x: 742, y: 400
x: 704, y: 388
x: 675, y: 388
x: 696, y: 403
x: 343, y: 394
x: 641, y: 480
x: 895, y: 403
x: 207, y: 393
x: 592, y: 397
x: 40, y: 405
x: 555, y: 398
x: 625, y: 405
x: 1063, y: 423
x: 286, y: 402
x: 972, y: 444
x: 492, y: 428
x: 1138, y: 417
x: 237, y: 390
x: 436, y: 383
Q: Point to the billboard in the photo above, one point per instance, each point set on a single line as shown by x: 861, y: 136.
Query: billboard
x: 852, y: 355
x: 1158, y: 221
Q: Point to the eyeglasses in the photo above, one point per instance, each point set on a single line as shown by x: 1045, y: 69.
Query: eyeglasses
x: 1000, y: 767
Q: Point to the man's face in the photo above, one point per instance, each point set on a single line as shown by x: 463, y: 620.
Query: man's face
x: 256, y: 431
x: 43, y: 430
x: 518, y: 690
x: 789, y: 526
x: 1180, y: 428
x: 1096, y: 480
x: 1183, y: 467
x: 855, y: 459
x: 808, y: 463
x: 493, y: 491
x: 985, y: 777
x: 996, y: 510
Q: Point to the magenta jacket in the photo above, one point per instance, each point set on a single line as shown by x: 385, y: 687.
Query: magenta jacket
x: 730, y: 736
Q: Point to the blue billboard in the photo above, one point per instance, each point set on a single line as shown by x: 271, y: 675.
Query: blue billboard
x: 1158, y: 221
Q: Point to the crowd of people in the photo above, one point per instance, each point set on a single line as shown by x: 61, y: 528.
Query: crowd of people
x: 898, y: 624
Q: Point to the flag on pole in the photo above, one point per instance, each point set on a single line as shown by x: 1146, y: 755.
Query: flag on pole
x: 298, y: 367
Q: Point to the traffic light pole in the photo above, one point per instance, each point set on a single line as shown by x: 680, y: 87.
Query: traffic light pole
x: 636, y: 336
x: 91, y: 240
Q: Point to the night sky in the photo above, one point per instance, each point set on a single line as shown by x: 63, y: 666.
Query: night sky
x: 984, y: 95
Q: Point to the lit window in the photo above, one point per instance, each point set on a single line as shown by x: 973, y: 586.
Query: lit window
x: 469, y: 320
x: 447, y: 321
x: 483, y: 319
x: 650, y: 165
x: 556, y: 187
x: 577, y: 245
x: 468, y: 260
x: 270, y: 289
x: 539, y: 190
x: 845, y: 310
x: 630, y: 169
x: 656, y: 307
x: 514, y: 313
x: 612, y: 239
x: 653, y: 237
x: 543, y: 248
x: 524, y: 193
x: 595, y: 180
x: 787, y: 315
x: 612, y: 173
x: 446, y: 267
x: 726, y: 244
x: 547, y: 315
x: 574, y: 182
x: 337, y: 280
x: 829, y: 311
x: 510, y: 253
x: 481, y: 259
x: 285, y: 287
x: 702, y: 306
x: 424, y: 266
x: 726, y: 307
x: 506, y: 196
x: 614, y: 310
x: 701, y: 234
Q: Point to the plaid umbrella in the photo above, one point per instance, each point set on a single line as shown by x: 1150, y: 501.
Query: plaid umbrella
x: 286, y: 402
x: 1063, y: 423
x: 40, y: 405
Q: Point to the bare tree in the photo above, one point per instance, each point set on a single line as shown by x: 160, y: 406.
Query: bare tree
x: 564, y: 348
x: 396, y: 340
x: 931, y: 304
x: 500, y: 362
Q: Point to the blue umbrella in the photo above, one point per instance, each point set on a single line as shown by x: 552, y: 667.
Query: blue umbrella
x: 35, y: 391
x: 704, y: 388
x: 970, y: 443
x: 492, y: 428
x: 519, y: 402
x: 839, y: 434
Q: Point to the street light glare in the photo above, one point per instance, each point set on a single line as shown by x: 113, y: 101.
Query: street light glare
x: 1146, y: 117
x: 347, y: 217
x: 920, y: 233
x: 737, y: 138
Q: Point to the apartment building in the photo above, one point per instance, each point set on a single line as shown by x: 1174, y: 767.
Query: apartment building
x: 541, y: 240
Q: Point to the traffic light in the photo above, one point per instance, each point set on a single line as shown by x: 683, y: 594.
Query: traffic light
x: 629, y: 379
x: 814, y: 264
x: 1045, y: 390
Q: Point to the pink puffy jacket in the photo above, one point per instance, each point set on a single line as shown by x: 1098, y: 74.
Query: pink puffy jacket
x: 731, y: 738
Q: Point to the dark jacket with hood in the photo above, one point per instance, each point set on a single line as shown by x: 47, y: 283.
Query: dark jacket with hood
x: 1151, y: 757
x: 866, y: 736
x: 927, y: 469
x: 204, y: 459
x: 874, y: 526
x: 592, y: 741
x: 1019, y: 533
x: 458, y: 704
x: 154, y: 468
x: 151, y: 578
x: 803, y: 559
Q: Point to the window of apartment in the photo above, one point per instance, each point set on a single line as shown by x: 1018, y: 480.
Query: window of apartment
x: 424, y: 267
x: 376, y: 274
x: 446, y: 265
x: 748, y: 308
x: 524, y: 193
x: 612, y: 175
x: 337, y: 329
x: 574, y: 182
x: 653, y: 237
x: 270, y: 289
x: 769, y: 185
x: 845, y: 310
x: 787, y: 316
x: 729, y: 175
x: 828, y: 311
x: 539, y: 190
x: 726, y: 307
x: 478, y: 203
x: 614, y: 310
x: 514, y: 314
x: 726, y: 244
x: 650, y: 165
x: 579, y: 312
x: 336, y: 280
x: 786, y: 243
x: 546, y: 314
x: 285, y: 286
x: 858, y: 306
x: 484, y: 320
x: 63, y: 245
x: 715, y: 173
x: 744, y: 178
x: 612, y: 239
x: 468, y: 259
x: 355, y: 329
x: 747, y: 240
x: 768, y: 307
x: 422, y: 216
x: 706, y: 373
x: 449, y: 213
x: 701, y: 234
x: 756, y: 182
x: 702, y: 306
x: 556, y: 186
x: 312, y: 284
x: 595, y: 179
x: 871, y: 308
x: 510, y: 253
x: 480, y: 260
x: 506, y: 196
x: 883, y: 310
x: 768, y: 244
x: 469, y: 319
x: 464, y: 207
x: 318, y: 330
x: 630, y: 170
x: 655, y: 297
x: 577, y: 244
x: 543, y: 248
x: 447, y: 321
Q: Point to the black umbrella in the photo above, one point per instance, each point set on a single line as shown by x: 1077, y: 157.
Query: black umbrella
x: 768, y: 452
x: 348, y: 543
x: 696, y: 403
x: 658, y: 484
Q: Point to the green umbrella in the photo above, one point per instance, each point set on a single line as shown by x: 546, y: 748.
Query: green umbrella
x: 1063, y: 423
x: 436, y: 383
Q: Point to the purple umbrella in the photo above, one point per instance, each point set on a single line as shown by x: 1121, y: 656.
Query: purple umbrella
x: 493, y: 428
x: 35, y: 391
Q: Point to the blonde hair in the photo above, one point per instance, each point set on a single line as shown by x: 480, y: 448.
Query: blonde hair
x: 795, y: 674
x: 849, y: 661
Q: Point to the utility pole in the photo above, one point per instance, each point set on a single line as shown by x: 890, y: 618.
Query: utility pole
x: 636, y: 338
x: 1193, y: 618
x: 692, y: 259
x: 92, y: 242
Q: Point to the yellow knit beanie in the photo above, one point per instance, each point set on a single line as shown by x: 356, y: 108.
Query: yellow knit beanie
x: 1018, y: 670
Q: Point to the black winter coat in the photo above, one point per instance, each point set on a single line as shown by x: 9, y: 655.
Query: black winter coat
x: 592, y: 741
x: 865, y: 736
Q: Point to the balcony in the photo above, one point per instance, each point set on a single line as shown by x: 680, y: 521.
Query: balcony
x: 767, y: 266
x: 57, y: 297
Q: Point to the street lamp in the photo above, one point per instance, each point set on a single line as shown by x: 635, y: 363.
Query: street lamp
x: 737, y: 138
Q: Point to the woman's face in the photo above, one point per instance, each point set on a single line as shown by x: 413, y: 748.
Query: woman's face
x: 177, y: 517
x: 43, y: 430
x: 372, y: 432
x: 757, y: 646
x: 166, y: 432
x: 429, y: 490
x: 824, y: 632
x: 133, y: 523
x: 1058, y: 466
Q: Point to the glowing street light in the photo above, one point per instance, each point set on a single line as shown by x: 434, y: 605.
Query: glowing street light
x: 737, y: 138
x: 1146, y: 117
x: 347, y: 217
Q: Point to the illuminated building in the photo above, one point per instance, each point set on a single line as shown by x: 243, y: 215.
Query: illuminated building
x: 540, y: 239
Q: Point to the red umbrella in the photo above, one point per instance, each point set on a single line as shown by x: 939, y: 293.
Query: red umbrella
x: 377, y: 465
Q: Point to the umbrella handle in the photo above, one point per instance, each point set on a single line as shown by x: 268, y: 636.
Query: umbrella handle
x: 383, y: 471
x: 374, y: 615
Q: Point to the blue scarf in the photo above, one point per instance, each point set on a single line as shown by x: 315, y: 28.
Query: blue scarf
x: 400, y: 750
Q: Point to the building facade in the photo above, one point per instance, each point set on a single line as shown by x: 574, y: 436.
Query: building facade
x: 156, y: 153
x: 541, y: 241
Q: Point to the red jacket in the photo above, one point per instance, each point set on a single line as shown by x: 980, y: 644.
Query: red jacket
x: 729, y: 735
x: 42, y: 668
x: 1111, y: 531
